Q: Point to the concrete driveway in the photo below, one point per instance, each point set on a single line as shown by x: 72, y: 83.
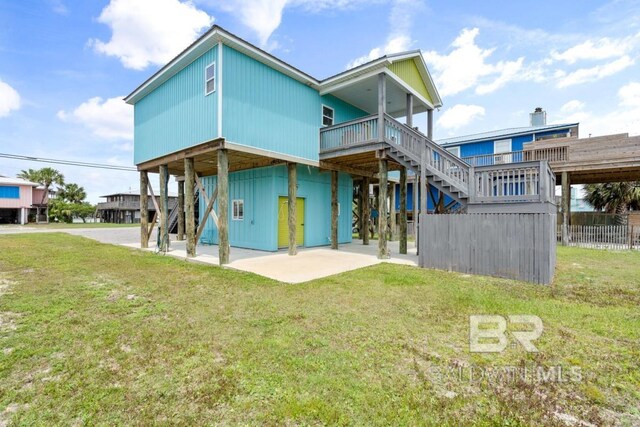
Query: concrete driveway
x: 309, y: 264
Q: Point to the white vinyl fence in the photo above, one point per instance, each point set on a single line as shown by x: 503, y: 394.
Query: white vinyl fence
x: 616, y: 237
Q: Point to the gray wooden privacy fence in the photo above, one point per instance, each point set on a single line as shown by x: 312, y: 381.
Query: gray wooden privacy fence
x: 518, y: 246
x: 616, y: 237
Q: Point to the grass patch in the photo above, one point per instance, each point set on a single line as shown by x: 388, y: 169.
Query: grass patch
x: 99, y: 334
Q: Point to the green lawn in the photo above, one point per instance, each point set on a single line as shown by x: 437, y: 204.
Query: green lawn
x: 81, y: 225
x: 98, y: 334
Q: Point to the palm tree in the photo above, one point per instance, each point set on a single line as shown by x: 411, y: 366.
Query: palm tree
x: 614, y: 197
x: 72, y: 193
x: 46, y: 177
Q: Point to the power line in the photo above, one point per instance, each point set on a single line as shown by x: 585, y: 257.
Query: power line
x: 68, y: 162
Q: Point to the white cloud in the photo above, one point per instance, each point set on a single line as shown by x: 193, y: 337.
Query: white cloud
x: 9, y: 99
x: 460, y: 115
x: 586, y: 75
x: 399, y: 39
x: 148, y: 32
x: 604, y: 48
x: 572, y: 106
x: 466, y: 65
x: 624, y: 118
x: 630, y: 95
x: 109, y: 119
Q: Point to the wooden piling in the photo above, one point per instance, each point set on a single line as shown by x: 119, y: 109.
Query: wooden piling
x: 293, y: 218
x: 334, y: 209
x: 392, y: 210
x: 164, y: 206
x: 566, y: 207
x: 223, y: 206
x: 144, y: 210
x: 180, y: 208
x: 382, y: 208
x: 403, y: 210
x: 366, y: 210
x: 190, y: 220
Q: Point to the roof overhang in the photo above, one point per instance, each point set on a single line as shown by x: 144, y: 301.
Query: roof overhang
x: 206, y: 42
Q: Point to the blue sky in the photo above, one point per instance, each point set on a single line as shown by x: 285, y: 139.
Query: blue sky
x: 65, y: 65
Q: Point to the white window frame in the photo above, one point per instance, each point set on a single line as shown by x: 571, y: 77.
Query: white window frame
x: 206, y: 80
x: 333, y: 115
x: 234, y: 203
x: 502, y: 141
x: 454, y: 150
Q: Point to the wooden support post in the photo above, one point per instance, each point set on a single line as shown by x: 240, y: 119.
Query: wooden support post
x: 223, y: 206
x: 361, y: 222
x: 366, y: 210
x: 430, y: 124
x: 566, y: 207
x: 415, y: 205
x: 392, y: 211
x: 180, y: 208
x: 164, y: 206
x: 190, y: 220
x: 424, y: 185
x: 382, y: 209
x: 403, y: 210
x: 409, y: 110
x: 334, y: 209
x: 293, y: 197
x: 382, y: 104
x: 144, y: 210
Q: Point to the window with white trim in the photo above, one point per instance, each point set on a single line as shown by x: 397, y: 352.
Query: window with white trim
x: 210, y: 79
x: 327, y: 116
x: 454, y: 150
x: 238, y: 210
x: 502, y: 146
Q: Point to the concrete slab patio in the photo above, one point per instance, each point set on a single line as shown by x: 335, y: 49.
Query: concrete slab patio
x: 309, y: 264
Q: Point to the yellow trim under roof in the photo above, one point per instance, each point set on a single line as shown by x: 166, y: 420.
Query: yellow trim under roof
x: 408, y: 71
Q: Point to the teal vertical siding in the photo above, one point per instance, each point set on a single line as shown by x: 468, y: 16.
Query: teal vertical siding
x: 266, y: 109
x: 177, y: 114
x: 260, y: 189
x: 343, y: 112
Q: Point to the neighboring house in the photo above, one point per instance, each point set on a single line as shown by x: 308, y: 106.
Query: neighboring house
x: 124, y: 208
x: 506, y: 145
x: 224, y: 96
x: 20, y: 198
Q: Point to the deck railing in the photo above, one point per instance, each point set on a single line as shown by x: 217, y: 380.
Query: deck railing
x: 518, y: 182
x: 550, y: 154
x: 348, y: 134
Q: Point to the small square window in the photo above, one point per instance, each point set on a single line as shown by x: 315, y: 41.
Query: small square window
x: 454, y: 150
x: 327, y: 116
x: 238, y: 210
x: 210, y: 79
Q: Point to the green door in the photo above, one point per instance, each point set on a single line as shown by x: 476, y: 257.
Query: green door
x: 283, y: 222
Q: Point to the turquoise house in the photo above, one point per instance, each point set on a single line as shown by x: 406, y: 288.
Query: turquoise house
x: 251, y: 137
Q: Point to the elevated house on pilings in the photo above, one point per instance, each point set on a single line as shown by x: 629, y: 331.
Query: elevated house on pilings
x: 274, y: 152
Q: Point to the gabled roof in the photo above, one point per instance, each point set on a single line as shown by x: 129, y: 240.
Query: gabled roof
x: 503, y: 133
x: 218, y: 34
x: 17, y: 181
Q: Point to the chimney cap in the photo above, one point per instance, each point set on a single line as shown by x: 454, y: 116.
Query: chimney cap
x: 538, y: 110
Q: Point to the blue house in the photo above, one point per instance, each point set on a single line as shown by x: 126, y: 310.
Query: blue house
x: 225, y: 110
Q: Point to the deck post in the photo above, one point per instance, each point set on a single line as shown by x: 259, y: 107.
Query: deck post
x: 144, y: 210
x: 382, y: 104
x: 366, y: 210
x: 189, y: 182
x: 566, y: 207
x: 334, y: 209
x: 359, y: 210
x: 293, y: 187
x: 409, y: 110
x: 382, y: 208
x: 223, y: 206
x: 164, y: 207
x: 403, y: 210
x: 392, y: 211
x: 415, y: 205
x: 180, y: 208
x: 430, y: 124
